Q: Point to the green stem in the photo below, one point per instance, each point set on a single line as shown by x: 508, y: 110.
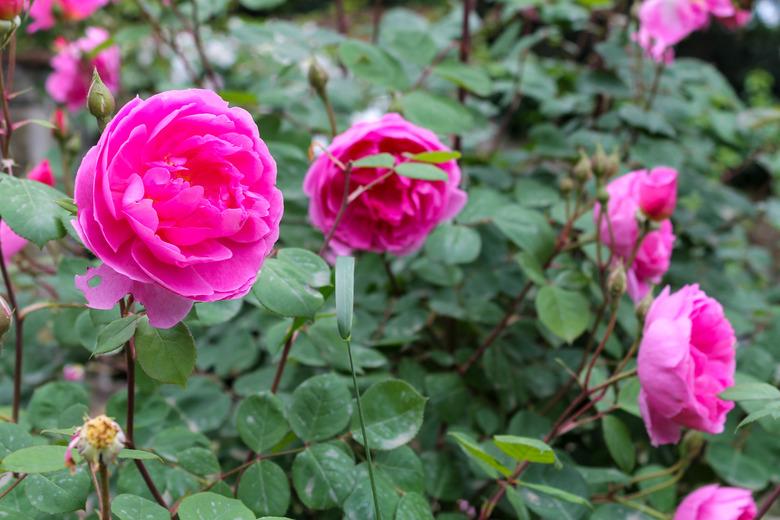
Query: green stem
x: 363, y: 432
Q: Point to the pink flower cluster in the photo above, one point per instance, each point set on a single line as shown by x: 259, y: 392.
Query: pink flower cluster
x: 43, y: 12
x: 714, y: 502
x: 11, y: 242
x: 665, y: 23
x: 69, y: 82
x: 397, y: 213
x: 179, y: 201
x: 654, y: 192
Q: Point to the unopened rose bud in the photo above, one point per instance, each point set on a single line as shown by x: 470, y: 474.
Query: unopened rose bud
x: 100, y: 101
x: 318, y: 77
x: 99, y: 440
x: 583, y: 170
x: 616, y: 281
x: 566, y: 185
x: 61, y: 128
x: 658, y: 193
x: 599, y: 162
x: 73, y: 372
x: 612, y: 166
x: 6, y: 317
x: 643, y: 307
x: 602, y: 195
x: 10, y: 9
x: 691, y: 445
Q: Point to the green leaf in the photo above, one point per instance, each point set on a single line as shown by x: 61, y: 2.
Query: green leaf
x: 770, y: 410
x: 421, y: 171
x: 133, y: 507
x: 49, y: 401
x: 440, y: 114
x: 525, y: 449
x: 261, y: 422
x: 30, y: 209
x: 138, y: 455
x: 565, y: 313
x: 214, y: 313
x: 321, y: 408
x: 482, y: 457
x: 260, y: 5
x: 437, y: 157
x: 116, y: 334
x: 288, y: 284
x: 557, y: 493
x: 360, y: 503
x: 750, y: 392
x: 13, y: 438
x: 413, y: 506
x: 373, y: 64
x: 737, y: 467
x: 393, y: 411
x: 345, y: 294
x: 166, y: 355
x: 528, y: 229
x: 518, y: 504
x: 59, y: 492
x: 314, y: 268
x: 650, y: 121
x: 403, y: 466
x: 323, y: 476
x: 210, y: 506
x: 453, y: 244
x: 469, y: 77
x: 199, y: 461
x: 265, y: 489
x: 35, y: 459
x: 379, y: 160
x: 618, y: 440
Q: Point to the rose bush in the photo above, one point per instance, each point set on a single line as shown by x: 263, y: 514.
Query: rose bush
x: 401, y: 260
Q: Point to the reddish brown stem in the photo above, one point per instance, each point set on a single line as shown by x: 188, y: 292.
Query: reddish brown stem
x: 767, y: 504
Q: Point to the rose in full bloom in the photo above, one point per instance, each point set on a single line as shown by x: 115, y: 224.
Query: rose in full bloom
x: 179, y: 201
x: 665, y: 23
x: 396, y: 213
x: 11, y: 242
x: 10, y: 9
x: 714, y: 502
x: 72, y: 75
x: 43, y: 11
x: 685, y: 360
x: 658, y: 193
x: 655, y: 252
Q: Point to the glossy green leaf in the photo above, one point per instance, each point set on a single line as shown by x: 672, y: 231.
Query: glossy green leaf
x: 210, y: 506
x: 565, y: 313
x: 30, y: 209
x: 59, y: 492
x: 261, y: 421
x: 421, y: 171
x: 393, y: 412
x: 133, y: 507
x: 323, y: 476
x: 35, y: 459
x: 265, y: 489
x: 166, y: 355
x: 619, y: 443
x: 116, y: 334
x: 345, y: 294
x: 379, y: 160
x: 525, y: 449
x: 481, y: 456
x: 453, y: 244
x: 321, y: 408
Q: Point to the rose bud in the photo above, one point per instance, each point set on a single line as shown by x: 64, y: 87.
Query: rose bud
x: 658, y: 193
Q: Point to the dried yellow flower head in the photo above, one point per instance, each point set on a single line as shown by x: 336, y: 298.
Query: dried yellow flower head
x: 98, y: 440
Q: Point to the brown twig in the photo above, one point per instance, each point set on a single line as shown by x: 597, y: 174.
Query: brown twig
x: 10, y: 488
x: 19, y: 335
x: 463, y: 55
x: 341, y: 17
x: 767, y: 504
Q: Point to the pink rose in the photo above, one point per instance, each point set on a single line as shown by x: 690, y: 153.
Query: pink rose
x: 43, y: 11
x: 72, y: 75
x: 397, y: 213
x: 665, y: 23
x: 179, y: 201
x: 658, y: 193
x: 10, y: 9
x: 717, y: 503
x: 685, y: 360
x: 73, y: 372
x: 654, y: 254
x: 10, y: 241
x: 735, y: 21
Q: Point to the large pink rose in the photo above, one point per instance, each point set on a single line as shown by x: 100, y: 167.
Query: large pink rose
x: 397, y: 213
x: 69, y: 82
x: 717, y: 503
x: 655, y: 253
x: 10, y: 241
x: 665, y: 23
x: 685, y: 360
x: 179, y: 201
x: 43, y: 11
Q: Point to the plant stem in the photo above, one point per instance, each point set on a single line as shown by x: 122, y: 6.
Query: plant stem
x: 130, y: 356
x: 19, y: 335
x: 104, y: 493
x: 463, y: 55
x: 341, y: 17
x: 283, y: 361
x: 378, y: 515
x: 342, y: 210
x: 767, y: 504
x: 13, y: 485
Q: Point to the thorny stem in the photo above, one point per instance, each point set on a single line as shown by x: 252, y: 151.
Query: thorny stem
x: 366, y: 445
x: 342, y: 210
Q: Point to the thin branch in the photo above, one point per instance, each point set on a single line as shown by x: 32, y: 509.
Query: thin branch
x: 767, y: 504
x: 19, y: 335
x: 10, y: 488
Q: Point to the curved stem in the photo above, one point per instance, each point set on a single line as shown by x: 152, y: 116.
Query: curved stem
x: 15, y: 483
x: 378, y: 515
x: 767, y: 504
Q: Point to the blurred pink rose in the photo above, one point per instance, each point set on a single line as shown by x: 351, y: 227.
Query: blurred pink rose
x: 664, y: 23
x: 685, y: 360
x: 397, y: 213
x: 73, y: 372
x: 739, y: 19
x: 43, y: 11
x: 10, y: 241
x: 654, y: 254
x: 10, y: 9
x: 658, y: 193
x: 72, y: 75
x: 179, y: 201
x: 717, y: 503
